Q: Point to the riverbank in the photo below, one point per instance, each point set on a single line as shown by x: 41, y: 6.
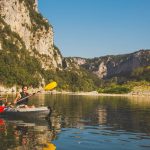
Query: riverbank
x: 95, y: 93
x: 138, y: 93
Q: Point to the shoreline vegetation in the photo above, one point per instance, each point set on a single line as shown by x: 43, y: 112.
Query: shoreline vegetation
x: 95, y: 93
x: 92, y: 93
x: 131, y: 89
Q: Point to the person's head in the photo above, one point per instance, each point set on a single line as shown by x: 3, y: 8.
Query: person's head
x: 24, y: 88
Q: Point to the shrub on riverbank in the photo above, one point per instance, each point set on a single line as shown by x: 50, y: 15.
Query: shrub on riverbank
x: 115, y: 89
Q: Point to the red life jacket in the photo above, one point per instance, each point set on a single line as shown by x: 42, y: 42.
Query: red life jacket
x: 2, y: 109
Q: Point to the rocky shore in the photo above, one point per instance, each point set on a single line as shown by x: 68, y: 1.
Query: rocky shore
x: 14, y: 90
x: 95, y: 93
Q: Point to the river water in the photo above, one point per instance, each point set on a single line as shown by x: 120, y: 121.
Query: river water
x: 81, y: 123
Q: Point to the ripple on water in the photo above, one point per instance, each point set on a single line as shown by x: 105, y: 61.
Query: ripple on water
x: 94, y: 137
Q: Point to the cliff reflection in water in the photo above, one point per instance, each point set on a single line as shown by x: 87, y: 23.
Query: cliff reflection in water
x: 99, y: 118
x: 21, y: 135
x: 130, y: 114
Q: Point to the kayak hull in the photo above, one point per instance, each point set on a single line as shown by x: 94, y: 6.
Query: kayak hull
x: 38, y: 112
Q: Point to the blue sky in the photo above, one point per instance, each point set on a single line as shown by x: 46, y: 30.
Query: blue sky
x: 93, y: 28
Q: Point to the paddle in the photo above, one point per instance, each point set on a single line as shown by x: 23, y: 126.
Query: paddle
x: 48, y: 87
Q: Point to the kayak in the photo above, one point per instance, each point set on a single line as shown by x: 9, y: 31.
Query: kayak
x: 26, y: 112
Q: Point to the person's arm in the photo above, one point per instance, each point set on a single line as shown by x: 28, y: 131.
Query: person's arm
x: 17, y: 98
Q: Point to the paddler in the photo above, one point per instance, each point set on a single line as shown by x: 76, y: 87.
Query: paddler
x: 24, y: 93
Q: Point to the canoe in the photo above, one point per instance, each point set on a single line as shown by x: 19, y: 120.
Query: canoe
x: 26, y: 112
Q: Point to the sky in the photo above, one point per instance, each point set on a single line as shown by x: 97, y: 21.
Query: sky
x: 94, y: 28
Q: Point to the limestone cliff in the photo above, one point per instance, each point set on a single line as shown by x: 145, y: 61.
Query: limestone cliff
x: 29, y: 56
x: 37, y: 34
x: 119, y: 65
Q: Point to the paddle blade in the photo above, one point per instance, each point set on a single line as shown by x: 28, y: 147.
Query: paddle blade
x: 50, y: 146
x: 50, y: 86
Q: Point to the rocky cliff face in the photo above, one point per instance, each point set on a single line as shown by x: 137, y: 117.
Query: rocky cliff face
x: 23, y: 18
x: 73, y: 63
x: 119, y: 65
x: 28, y: 54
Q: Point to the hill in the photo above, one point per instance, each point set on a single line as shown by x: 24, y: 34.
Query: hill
x: 28, y: 55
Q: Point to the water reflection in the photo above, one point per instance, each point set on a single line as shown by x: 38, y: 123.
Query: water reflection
x: 82, y: 122
x: 2, y: 125
x: 102, y: 115
x: 93, y: 122
x: 120, y: 113
x: 17, y: 134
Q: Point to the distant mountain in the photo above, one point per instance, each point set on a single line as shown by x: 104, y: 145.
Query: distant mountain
x: 115, y: 65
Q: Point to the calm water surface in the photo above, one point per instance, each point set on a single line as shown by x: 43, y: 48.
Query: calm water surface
x: 81, y: 123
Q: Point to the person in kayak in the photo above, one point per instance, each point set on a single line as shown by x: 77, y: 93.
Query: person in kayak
x: 23, y: 94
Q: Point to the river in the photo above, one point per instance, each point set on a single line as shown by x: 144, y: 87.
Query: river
x: 81, y: 123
